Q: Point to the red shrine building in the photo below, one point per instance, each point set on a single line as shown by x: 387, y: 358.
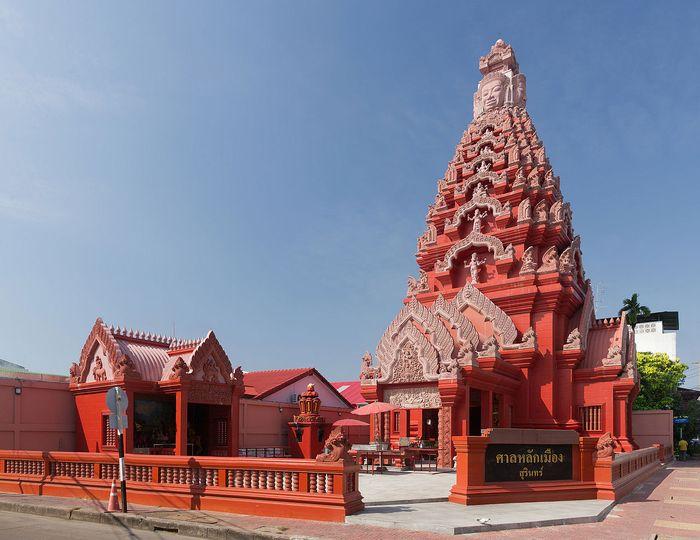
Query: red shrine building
x: 183, y: 395
x: 499, y: 328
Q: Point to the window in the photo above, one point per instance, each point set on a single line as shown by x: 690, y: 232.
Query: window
x: 591, y: 417
x: 397, y: 421
x: 222, y: 432
x: 109, y: 435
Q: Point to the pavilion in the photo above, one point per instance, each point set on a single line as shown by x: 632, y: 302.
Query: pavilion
x: 183, y: 394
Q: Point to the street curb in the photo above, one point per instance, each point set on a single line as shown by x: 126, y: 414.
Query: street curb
x: 136, y: 521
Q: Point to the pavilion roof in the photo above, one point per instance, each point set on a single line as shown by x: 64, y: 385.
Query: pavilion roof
x: 350, y: 390
x: 260, y: 384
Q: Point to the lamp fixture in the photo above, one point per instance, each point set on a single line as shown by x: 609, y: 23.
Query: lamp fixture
x: 18, y: 390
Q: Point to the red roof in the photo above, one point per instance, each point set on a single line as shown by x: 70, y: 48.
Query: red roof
x: 350, y: 390
x: 259, y: 384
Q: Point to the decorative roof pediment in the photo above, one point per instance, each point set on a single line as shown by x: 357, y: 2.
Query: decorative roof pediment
x: 474, y: 239
x: 470, y: 296
x: 208, y: 362
x: 481, y: 202
x: 100, y: 340
x: 465, y: 329
x: 412, y: 358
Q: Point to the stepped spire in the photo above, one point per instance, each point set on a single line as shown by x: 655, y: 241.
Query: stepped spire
x: 502, y: 84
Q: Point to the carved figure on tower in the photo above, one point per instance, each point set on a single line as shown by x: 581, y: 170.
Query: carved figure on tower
x: 476, y: 218
x: 474, y: 264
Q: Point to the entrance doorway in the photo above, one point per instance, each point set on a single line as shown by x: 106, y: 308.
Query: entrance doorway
x: 207, y: 429
x: 430, y: 424
x: 475, y: 421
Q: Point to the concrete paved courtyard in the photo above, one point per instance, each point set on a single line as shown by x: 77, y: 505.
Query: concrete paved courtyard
x: 395, y: 487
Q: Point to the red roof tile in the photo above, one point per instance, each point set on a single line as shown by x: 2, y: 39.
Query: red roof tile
x: 260, y: 383
x: 350, y: 390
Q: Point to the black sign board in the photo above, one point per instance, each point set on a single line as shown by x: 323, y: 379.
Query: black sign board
x: 528, y: 462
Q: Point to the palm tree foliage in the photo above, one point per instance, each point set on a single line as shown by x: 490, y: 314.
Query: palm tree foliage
x: 633, y: 309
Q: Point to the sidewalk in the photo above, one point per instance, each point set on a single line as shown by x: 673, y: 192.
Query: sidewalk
x: 667, y: 504
x: 196, y: 523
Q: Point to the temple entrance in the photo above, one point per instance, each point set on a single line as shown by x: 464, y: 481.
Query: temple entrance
x: 430, y: 424
x: 475, y: 421
x: 207, y: 429
x: 154, y: 424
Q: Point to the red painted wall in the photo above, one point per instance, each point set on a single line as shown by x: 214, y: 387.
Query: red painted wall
x: 41, y: 417
x: 263, y: 424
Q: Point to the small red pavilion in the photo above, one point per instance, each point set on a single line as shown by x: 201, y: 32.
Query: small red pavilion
x: 499, y: 329
x: 183, y: 395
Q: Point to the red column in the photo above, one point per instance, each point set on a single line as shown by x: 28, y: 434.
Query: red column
x: 181, y: 422
x: 129, y: 432
x: 486, y: 409
x: 234, y: 420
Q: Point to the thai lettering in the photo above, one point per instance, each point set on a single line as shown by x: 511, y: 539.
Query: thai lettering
x: 527, y: 473
x: 530, y: 457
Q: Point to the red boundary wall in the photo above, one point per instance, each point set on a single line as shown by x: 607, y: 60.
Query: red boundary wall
x: 290, y: 488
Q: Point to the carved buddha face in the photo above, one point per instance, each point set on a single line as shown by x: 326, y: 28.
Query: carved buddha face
x: 493, y: 94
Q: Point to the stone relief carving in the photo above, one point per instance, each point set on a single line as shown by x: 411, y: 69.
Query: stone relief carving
x: 210, y: 371
x: 440, y: 201
x: 428, y: 237
x: 402, y: 329
x: 479, y: 200
x: 614, y: 356
x: 467, y: 355
x: 470, y: 296
x: 529, y: 261
x: 419, y: 285
x: 567, y: 262
x: 418, y: 397
x: 529, y: 339
x: 367, y: 371
x: 503, y: 85
x: 605, y: 447
x: 549, y: 178
x: 179, y: 370
x: 541, y: 212
x: 444, y: 457
x: 407, y: 367
x: 465, y: 329
x: 473, y: 239
x: 476, y: 218
x: 450, y: 368
x: 490, y: 348
x: 524, y: 210
x: 550, y: 261
x: 125, y: 368
x: 74, y: 372
x: 519, y: 179
x: 474, y: 264
x: 573, y: 340
x: 98, y: 371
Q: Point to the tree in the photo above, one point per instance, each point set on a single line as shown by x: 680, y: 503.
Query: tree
x: 633, y: 309
x: 659, y: 377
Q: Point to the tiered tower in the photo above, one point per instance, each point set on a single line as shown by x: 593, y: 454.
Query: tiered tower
x: 501, y: 303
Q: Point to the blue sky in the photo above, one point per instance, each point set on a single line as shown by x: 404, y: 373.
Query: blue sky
x: 263, y: 169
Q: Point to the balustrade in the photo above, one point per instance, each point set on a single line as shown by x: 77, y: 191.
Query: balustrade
x: 162, y: 479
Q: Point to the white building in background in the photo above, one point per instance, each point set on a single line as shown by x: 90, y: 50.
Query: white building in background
x: 657, y: 332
